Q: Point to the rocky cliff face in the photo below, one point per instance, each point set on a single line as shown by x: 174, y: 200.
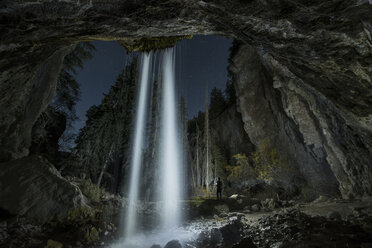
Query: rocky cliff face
x: 330, y: 148
x: 32, y: 187
x: 227, y: 131
x: 314, y: 95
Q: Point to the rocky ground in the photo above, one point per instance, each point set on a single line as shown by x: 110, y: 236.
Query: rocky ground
x: 322, y: 223
x: 233, y: 222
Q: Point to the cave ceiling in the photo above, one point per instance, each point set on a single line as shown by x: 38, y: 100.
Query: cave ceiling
x: 325, y: 43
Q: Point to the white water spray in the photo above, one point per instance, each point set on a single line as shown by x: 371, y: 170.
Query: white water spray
x: 137, y: 154
x: 170, y: 157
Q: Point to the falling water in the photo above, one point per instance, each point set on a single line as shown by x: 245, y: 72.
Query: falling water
x: 137, y: 154
x: 170, y: 157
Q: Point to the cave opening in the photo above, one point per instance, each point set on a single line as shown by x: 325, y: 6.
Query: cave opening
x: 288, y: 130
x: 205, y: 66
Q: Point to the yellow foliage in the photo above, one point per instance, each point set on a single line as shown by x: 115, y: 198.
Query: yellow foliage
x: 267, y: 161
x: 243, y: 169
x: 264, y: 164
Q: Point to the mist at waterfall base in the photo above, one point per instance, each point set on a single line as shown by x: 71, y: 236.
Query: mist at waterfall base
x: 170, y: 157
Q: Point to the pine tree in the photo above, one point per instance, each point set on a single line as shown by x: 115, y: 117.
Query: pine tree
x: 218, y: 103
x: 103, y: 143
x: 68, y: 89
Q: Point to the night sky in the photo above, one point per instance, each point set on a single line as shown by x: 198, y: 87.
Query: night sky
x: 198, y: 61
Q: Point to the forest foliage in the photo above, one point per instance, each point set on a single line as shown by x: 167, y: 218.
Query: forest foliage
x: 219, y: 102
x: 105, y: 137
x: 264, y: 164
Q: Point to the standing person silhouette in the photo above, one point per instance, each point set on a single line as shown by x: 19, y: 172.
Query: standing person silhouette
x: 219, y: 189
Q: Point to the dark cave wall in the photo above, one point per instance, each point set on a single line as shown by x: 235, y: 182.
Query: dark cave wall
x: 315, y: 73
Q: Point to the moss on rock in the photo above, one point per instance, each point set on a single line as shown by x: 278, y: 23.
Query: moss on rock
x: 91, y: 235
x: 53, y: 244
x: 150, y: 44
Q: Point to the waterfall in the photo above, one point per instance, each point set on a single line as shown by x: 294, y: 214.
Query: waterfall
x: 138, y: 145
x: 170, y: 153
x: 169, y: 156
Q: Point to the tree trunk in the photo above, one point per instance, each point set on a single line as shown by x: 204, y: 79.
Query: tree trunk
x: 105, y: 165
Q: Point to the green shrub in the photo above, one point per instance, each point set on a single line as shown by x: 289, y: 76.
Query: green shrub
x: 90, y: 190
x: 242, y: 170
x: 308, y: 193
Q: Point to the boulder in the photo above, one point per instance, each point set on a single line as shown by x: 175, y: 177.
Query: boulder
x: 221, y: 209
x: 32, y: 187
x: 216, y: 236
x: 234, y: 196
x: 255, y: 207
x: 245, y: 243
x: 334, y: 215
x: 173, y: 244
x: 232, y: 233
x: 270, y: 203
x: 203, y: 238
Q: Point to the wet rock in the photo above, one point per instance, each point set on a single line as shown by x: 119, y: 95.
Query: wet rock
x: 203, y: 239
x: 173, y: 244
x: 245, y: 243
x: 232, y: 232
x: 216, y: 236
